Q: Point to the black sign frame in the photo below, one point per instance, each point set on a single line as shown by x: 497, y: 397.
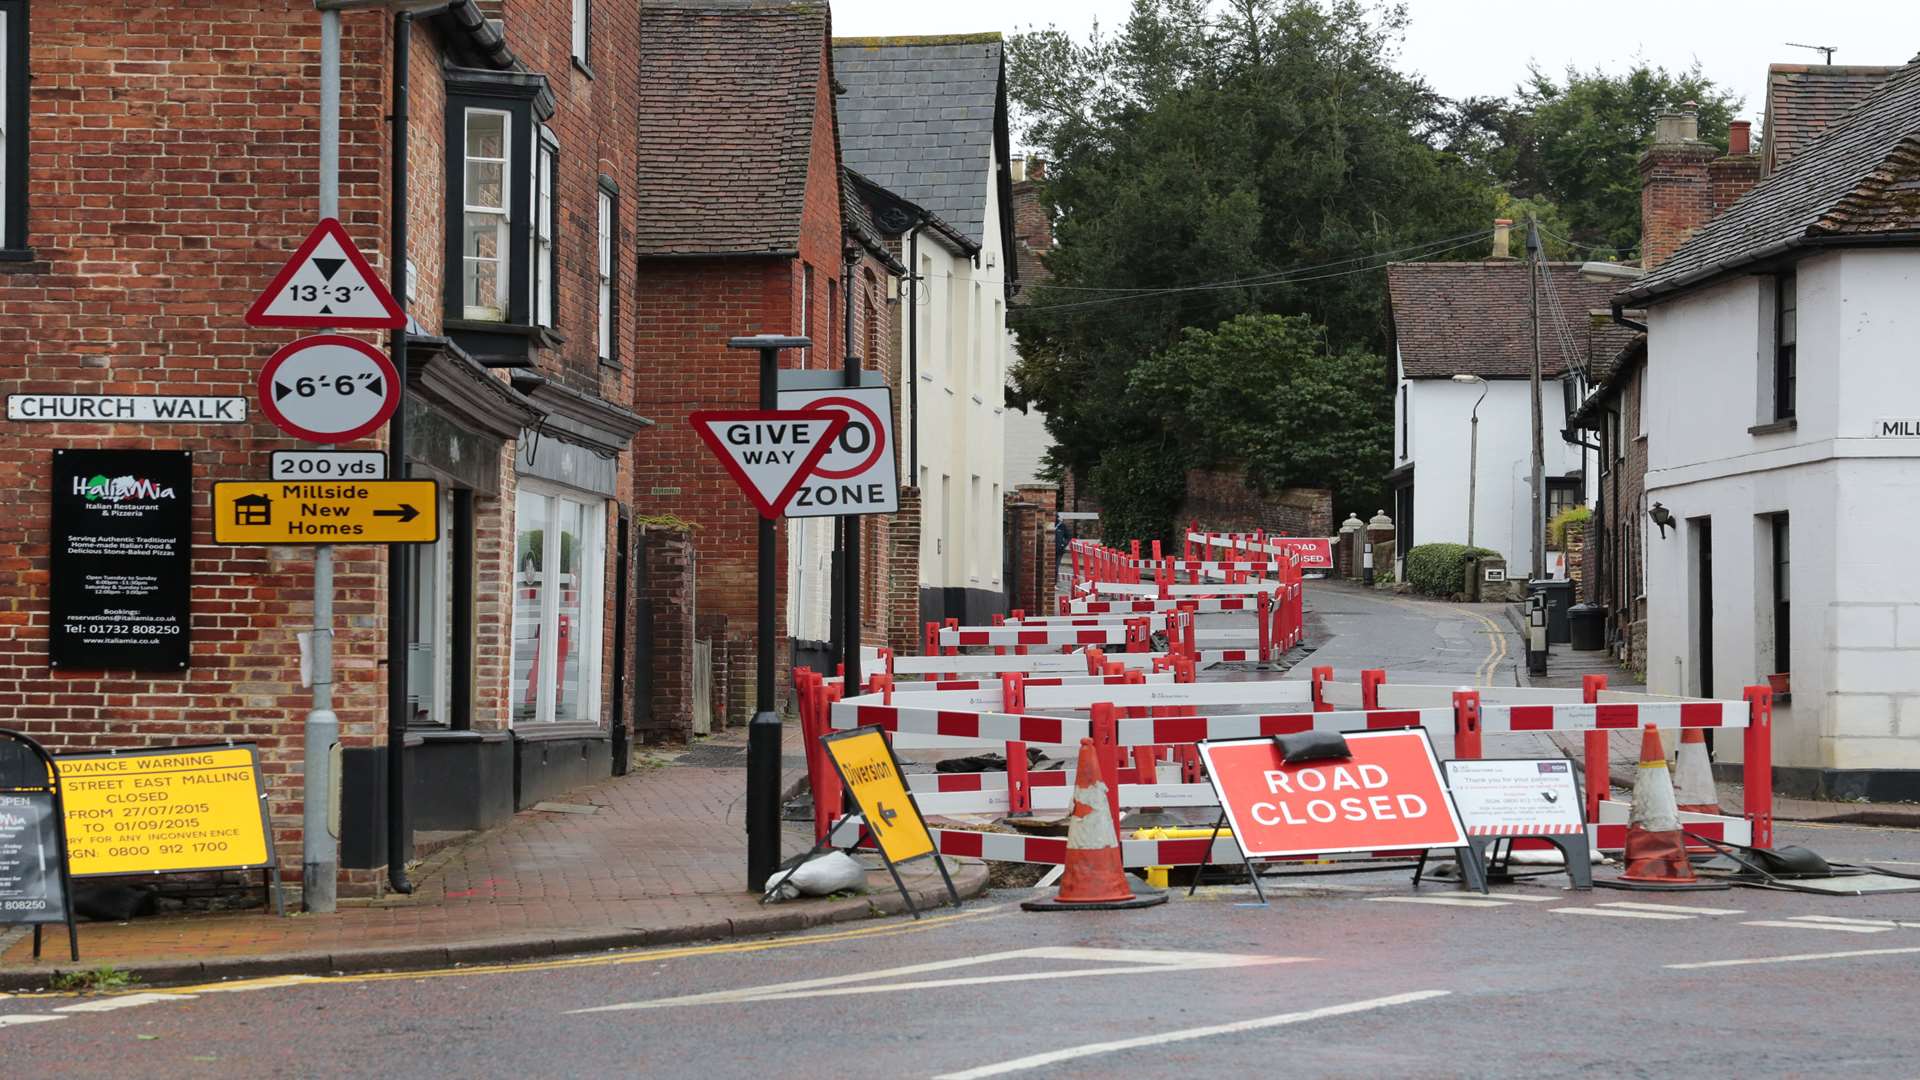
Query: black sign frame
x: 139, y: 597
x: 49, y: 790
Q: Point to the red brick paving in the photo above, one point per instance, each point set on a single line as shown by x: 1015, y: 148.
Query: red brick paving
x: 664, y: 859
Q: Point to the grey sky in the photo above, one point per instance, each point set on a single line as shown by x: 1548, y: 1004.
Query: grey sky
x: 1480, y: 47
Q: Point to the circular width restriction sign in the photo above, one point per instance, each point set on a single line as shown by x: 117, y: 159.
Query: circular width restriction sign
x: 329, y: 388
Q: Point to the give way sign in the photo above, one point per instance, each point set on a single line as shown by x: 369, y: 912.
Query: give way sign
x: 857, y: 475
x: 768, y: 452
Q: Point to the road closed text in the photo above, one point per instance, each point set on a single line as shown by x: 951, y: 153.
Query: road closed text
x: 1315, y: 796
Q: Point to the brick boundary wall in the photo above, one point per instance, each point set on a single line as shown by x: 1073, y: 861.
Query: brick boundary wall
x: 903, y: 631
x: 668, y: 569
x: 1224, y: 500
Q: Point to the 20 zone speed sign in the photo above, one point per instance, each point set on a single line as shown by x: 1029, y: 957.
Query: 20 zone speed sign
x: 329, y: 388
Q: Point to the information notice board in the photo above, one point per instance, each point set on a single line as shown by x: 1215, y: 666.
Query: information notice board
x: 165, y: 811
x: 121, y: 559
x: 30, y: 886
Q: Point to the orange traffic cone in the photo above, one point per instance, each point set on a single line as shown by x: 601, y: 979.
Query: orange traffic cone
x: 1094, y: 880
x: 1693, y: 786
x: 1656, y: 853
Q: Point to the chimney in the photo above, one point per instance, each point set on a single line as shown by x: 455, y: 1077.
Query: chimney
x: 1032, y: 221
x: 1734, y: 175
x: 1739, y: 138
x: 1676, y: 192
x: 1502, y: 228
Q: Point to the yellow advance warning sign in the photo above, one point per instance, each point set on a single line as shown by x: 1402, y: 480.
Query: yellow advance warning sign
x: 326, y: 512
x: 866, y: 763
x: 162, y: 811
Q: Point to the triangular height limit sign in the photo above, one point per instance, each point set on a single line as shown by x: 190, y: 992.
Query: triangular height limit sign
x: 327, y: 283
x: 769, y: 453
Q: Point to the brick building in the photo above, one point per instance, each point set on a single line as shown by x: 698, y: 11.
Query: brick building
x: 740, y: 233
x: 158, y: 172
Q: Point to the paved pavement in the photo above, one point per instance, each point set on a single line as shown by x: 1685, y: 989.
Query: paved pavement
x: 661, y: 859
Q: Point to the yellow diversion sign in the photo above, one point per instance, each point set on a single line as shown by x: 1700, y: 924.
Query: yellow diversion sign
x: 872, y: 774
x: 164, y: 811
x: 326, y: 512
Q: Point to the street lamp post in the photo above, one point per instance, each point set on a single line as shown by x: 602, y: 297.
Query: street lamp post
x: 763, y: 731
x: 1473, y: 450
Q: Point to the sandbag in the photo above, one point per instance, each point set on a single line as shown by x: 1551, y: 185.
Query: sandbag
x: 836, y: 871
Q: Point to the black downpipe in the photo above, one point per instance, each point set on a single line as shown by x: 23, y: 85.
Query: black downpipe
x: 399, y: 556
x: 913, y: 355
x: 850, y: 525
x: 622, y: 756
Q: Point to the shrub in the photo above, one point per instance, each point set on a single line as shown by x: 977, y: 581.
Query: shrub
x: 1438, y: 569
x: 1557, y: 528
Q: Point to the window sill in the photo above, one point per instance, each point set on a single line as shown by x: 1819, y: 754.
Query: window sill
x: 584, y: 68
x: 1775, y: 428
x: 537, y: 731
x: 22, y: 261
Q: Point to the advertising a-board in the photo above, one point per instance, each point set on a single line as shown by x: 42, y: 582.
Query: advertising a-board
x: 120, y: 559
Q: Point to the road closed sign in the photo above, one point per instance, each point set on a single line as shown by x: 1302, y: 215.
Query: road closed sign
x: 858, y: 474
x: 1389, y: 796
x: 165, y: 811
x: 872, y: 774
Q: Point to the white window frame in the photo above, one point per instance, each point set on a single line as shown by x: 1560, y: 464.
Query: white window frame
x: 503, y: 270
x: 592, y: 602
x: 604, y: 317
x: 546, y: 152
x: 581, y: 13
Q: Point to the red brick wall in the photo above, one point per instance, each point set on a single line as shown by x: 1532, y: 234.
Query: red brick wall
x: 904, y: 632
x: 1222, y: 500
x: 174, y: 166
x: 1032, y: 224
x: 668, y: 570
x: 1676, y: 197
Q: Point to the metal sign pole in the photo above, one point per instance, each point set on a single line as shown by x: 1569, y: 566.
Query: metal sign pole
x: 763, y: 731
x: 320, y: 847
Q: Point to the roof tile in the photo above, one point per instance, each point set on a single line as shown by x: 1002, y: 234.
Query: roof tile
x: 1472, y: 318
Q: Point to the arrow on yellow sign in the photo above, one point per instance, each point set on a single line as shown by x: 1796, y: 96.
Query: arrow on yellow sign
x: 326, y: 512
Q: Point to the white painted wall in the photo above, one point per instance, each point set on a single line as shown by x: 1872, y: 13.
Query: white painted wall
x: 1853, y: 501
x: 1027, y: 444
x: 1438, y: 441
x: 963, y: 353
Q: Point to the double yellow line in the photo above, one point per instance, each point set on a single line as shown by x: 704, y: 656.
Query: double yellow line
x: 1496, y: 650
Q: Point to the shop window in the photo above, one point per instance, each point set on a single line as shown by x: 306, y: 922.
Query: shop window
x: 559, y: 563
x: 13, y: 125
x: 431, y: 641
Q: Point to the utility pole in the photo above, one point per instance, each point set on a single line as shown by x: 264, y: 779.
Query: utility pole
x: 319, y: 844
x: 1539, y: 519
x: 763, y: 731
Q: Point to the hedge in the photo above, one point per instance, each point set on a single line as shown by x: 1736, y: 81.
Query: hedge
x: 1439, y: 569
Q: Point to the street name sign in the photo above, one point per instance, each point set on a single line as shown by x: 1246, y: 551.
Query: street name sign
x: 326, y: 512
x: 127, y: 408
x: 327, y: 283
x: 328, y: 465
x: 1389, y: 796
x: 858, y: 474
x: 165, y: 811
x: 329, y: 388
x: 1887, y: 427
x: 768, y: 452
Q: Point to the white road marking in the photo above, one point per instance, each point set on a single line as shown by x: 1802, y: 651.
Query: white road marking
x: 27, y: 1018
x: 1130, y: 961
x: 1792, y: 959
x: 269, y: 982
x: 1528, y: 897
x: 1474, y: 900
x: 1071, y: 1053
x: 1631, y: 905
x: 1841, y: 927
x: 121, y: 1001
x: 1616, y: 914
x: 1888, y: 923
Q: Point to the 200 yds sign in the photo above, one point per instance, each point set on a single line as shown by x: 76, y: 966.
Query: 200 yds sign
x: 857, y: 475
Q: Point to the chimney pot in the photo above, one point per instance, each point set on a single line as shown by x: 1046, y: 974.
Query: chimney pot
x: 1676, y: 128
x: 1502, y: 229
x: 1739, y: 137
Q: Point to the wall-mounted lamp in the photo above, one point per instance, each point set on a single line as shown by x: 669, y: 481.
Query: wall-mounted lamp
x: 1662, y: 517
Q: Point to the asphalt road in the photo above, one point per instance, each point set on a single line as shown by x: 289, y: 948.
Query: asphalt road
x: 1345, y: 976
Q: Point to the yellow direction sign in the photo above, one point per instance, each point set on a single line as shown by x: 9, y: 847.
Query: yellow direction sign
x: 867, y: 765
x: 326, y: 512
x: 165, y: 811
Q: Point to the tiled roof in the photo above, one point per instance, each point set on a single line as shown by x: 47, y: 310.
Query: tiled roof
x: 1471, y: 318
x: 921, y: 117
x: 1802, y: 99
x: 1860, y: 176
x: 727, y: 96
x: 860, y: 226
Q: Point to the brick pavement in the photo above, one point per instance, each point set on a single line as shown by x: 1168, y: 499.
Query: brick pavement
x: 663, y: 859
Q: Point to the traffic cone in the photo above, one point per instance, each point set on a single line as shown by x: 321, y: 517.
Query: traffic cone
x: 1693, y: 786
x: 1656, y: 853
x: 1094, y: 879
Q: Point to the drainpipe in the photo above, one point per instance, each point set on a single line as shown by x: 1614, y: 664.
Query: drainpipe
x: 913, y: 354
x: 399, y: 556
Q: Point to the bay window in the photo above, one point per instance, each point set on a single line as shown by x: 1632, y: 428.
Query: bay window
x: 499, y: 298
x: 543, y: 283
x: 484, y: 269
x: 559, y: 563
